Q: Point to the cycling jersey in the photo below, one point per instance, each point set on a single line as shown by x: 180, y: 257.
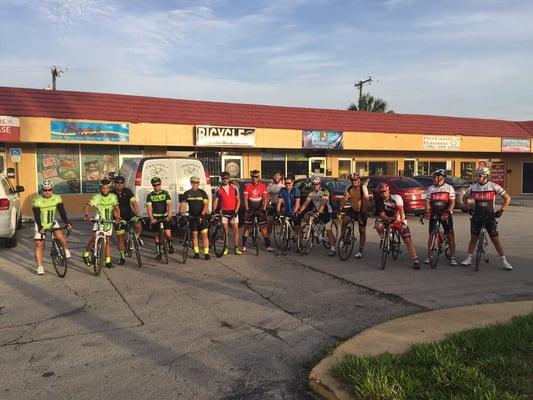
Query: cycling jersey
x: 391, y: 207
x: 316, y: 198
x: 273, y: 190
x: 104, y: 205
x: 45, y: 208
x: 485, y: 196
x: 227, y: 197
x: 255, y: 194
x: 196, y: 200
x: 439, y: 197
x: 158, y: 202
x: 289, y: 199
x: 125, y: 198
x: 357, y: 193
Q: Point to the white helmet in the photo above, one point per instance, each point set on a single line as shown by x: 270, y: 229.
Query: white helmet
x: 46, y: 184
x: 315, y: 179
x: 482, y: 171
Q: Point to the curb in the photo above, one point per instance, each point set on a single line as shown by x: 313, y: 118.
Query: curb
x: 398, y: 335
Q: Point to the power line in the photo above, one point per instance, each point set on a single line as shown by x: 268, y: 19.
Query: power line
x: 56, y: 73
x: 360, y: 86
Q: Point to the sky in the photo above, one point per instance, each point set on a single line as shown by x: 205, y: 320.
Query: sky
x: 464, y: 58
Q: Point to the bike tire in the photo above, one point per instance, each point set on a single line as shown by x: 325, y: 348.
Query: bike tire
x: 59, y: 259
x: 277, y: 233
x: 219, y: 239
x: 305, y: 240
x: 479, y: 251
x: 347, y: 240
x: 395, y: 245
x: 185, y: 246
x: 99, y: 260
x: 137, y: 250
x: 285, y: 239
x: 385, y: 249
x: 255, y: 238
x: 434, y: 250
x: 128, y: 242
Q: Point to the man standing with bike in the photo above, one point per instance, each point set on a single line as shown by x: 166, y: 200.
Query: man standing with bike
x: 255, y: 201
x: 319, y: 198
x: 273, y: 190
x: 107, y: 210
x: 228, y: 202
x: 44, y: 208
x: 440, y: 202
x: 159, y: 209
x: 129, y: 213
x: 197, y: 201
x: 484, y: 194
x: 289, y: 198
x: 389, y: 208
x: 357, y: 193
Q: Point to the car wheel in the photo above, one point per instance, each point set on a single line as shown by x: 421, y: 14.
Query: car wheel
x: 12, y: 241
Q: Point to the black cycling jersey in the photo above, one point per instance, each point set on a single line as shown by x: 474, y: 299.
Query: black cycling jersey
x: 196, y: 200
x: 159, y: 202
x: 124, y: 203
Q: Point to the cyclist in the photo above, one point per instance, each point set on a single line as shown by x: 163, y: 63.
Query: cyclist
x: 159, y: 209
x: 273, y: 189
x: 129, y: 212
x: 255, y: 201
x: 44, y: 208
x: 228, y: 201
x: 484, y: 193
x: 198, y: 202
x: 357, y: 194
x: 319, y: 198
x: 107, y: 210
x: 389, y: 208
x: 440, y: 201
x: 289, y: 199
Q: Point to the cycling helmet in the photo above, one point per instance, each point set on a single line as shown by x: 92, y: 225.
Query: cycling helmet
x: 255, y: 173
x: 315, y: 179
x: 482, y: 171
x: 383, y: 186
x: 194, y: 179
x: 355, y: 175
x: 155, y: 181
x: 440, y: 172
x: 105, y: 181
x: 46, y: 184
x: 119, y: 179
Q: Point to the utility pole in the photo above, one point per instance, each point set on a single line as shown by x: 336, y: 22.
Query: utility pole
x: 360, y: 86
x: 55, y: 74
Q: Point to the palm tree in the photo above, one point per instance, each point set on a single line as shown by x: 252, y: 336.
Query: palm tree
x: 369, y: 103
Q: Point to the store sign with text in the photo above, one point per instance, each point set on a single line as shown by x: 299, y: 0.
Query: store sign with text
x: 9, y: 129
x: 497, y: 173
x: 441, y: 143
x: 317, y: 139
x: 515, y: 145
x: 90, y: 131
x: 224, y: 136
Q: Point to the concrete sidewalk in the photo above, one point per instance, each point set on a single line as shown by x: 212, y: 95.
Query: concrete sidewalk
x: 398, y: 335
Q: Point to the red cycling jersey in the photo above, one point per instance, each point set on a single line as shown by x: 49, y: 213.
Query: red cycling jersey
x: 227, y: 196
x: 255, y: 194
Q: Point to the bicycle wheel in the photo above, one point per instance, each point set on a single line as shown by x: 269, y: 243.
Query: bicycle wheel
x: 185, y: 246
x: 255, y: 238
x: 59, y: 258
x: 480, y: 250
x: 434, y: 249
x: 346, y: 243
x: 385, y: 248
x: 163, y: 244
x: 99, y: 260
x: 137, y: 249
x: 277, y: 232
x: 395, y: 245
x: 128, y: 245
x: 219, y: 240
x: 305, y: 239
x: 285, y: 244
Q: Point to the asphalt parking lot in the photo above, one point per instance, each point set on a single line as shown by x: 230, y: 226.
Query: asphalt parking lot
x: 238, y: 327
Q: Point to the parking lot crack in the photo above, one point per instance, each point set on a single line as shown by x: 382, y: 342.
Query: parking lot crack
x: 124, y: 299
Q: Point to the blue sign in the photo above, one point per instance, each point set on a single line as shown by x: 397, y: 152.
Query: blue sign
x: 15, y: 151
x: 90, y: 131
x: 316, y: 139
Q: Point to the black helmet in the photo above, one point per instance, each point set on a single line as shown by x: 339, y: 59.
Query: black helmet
x: 440, y: 172
x: 119, y: 179
x: 155, y: 181
x: 105, y: 181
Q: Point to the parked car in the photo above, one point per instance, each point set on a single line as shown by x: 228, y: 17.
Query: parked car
x: 412, y: 192
x: 10, y: 211
x: 174, y: 172
x: 459, y: 185
x: 336, y: 188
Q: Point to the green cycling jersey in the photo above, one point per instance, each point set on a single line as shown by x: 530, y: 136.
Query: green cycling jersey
x: 104, y: 205
x: 47, y: 209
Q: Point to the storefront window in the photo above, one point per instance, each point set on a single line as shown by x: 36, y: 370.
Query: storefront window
x: 467, y: 170
x: 97, y: 162
x: 527, y: 177
x: 361, y: 167
x: 272, y: 162
x: 345, y: 168
x: 129, y: 152
x: 297, y: 165
x: 408, y: 168
x: 382, y: 167
x: 61, y: 165
x: 427, y: 167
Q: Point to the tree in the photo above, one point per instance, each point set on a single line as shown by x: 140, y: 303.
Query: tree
x: 369, y: 103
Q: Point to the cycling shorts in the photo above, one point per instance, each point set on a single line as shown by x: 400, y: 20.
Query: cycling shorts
x: 230, y: 216
x: 155, y: 227
x: 198, y: 224
x: 38, y: 236
x: 261, y: 217
x: 120, y: 229
x: 490, y: 224
x: 447, y: 224
x: 360, y: 217
x: 403, y: 230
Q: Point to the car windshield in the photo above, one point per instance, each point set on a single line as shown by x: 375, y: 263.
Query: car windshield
x: 337, y: 186
x: 406, y: 183
x: 456, y: 181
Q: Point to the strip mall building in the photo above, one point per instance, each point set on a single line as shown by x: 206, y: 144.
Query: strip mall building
x: 75, y: 138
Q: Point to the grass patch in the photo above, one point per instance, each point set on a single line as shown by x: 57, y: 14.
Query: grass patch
x: 491, y: 363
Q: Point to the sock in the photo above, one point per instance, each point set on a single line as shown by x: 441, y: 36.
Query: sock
x: 415, y: 258
x: 121, y: 253
x: 267, y: 242
x: 86, y: 253
x: 244, y: 239
x: 108, y: 260
x: 470, y: 255
x: 504, y: 258
x: 196, y: 250
x: 158, y: 248
x: 206, y: 250
x: 332, y: 248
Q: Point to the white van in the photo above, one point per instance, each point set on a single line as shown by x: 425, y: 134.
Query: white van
x: 175, y: 173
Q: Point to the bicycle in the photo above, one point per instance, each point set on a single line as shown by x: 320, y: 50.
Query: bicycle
x: 57, y: 254
x: 186, y: 240
x: 347, y: 240
x: 255, y: 230
x: 482, y: 244
x: 164, y: 242
x: 287, y: 233
x: 313, y: 231
x: 218, y: 238
x: 277, y: 231
x: 389, y: 244
x: 439, y: 241
x: 98, y: 251
x: 131, y: 242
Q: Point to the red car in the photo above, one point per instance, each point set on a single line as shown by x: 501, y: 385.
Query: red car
x: 412, y: 192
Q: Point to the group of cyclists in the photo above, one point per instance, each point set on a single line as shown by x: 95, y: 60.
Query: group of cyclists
x: 116, y: 206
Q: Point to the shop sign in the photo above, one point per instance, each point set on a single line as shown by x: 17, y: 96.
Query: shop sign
x: 316, y: 139
x: 90, y: 131
x: 224, y: 136
x: 441, y: 143
x: 497, y: 173
x: 9, y: 129
x: 514, y: 145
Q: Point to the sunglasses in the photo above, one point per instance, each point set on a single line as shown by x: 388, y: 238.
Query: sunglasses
x: 47, y: 190
x: 225, y: 177
x: 479, y: 176
x: 255, y: 177
x: 356, y: 179
x: 119, y: 183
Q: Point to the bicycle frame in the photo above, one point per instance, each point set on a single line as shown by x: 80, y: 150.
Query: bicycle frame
x: 98, y: 253
x: 481, y: 245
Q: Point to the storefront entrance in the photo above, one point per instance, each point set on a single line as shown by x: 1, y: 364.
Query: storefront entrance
x: 317, y: 166
x: 527, y: 178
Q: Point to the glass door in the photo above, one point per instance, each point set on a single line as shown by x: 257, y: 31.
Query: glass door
x: 233, y: 165
x: 345, y: 168
x: 409, y: 167
x: 317, y: 166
